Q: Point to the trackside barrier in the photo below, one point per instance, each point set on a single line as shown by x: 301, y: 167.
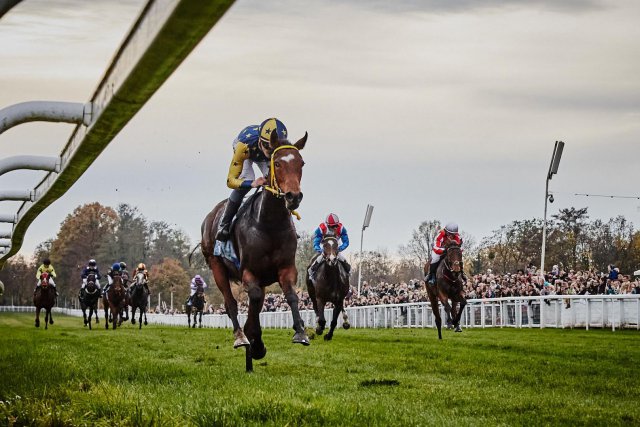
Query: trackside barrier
x: 553, y: 311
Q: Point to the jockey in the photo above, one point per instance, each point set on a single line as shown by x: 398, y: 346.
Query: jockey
x: 113, y: 271
x: 330, y: 227
x: 46, y: 267
x: 195, y: 282
x: 124, y: 273
x: 250, y: 147
x: 447, y: 234
x: 90, y: 268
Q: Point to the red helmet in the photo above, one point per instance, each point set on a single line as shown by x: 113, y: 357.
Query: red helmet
x: 332, y: 220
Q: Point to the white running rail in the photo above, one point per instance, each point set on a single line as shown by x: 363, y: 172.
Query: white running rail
x: 557, y: 311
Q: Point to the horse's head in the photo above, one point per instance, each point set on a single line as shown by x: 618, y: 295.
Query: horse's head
x: 330, y: 249
x: 453, y: 257
x: 91, y: 284
x: 140, y: 279
x: 117, y: 283
x: 286, y: 169
x: 44, y: 279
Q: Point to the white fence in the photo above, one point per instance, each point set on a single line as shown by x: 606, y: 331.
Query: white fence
x: 558, y: 311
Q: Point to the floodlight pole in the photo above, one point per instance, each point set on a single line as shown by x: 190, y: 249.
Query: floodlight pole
x: 365, y: 224
x: 553, y: 169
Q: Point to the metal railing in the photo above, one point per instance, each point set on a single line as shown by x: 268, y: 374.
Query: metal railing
x: 553, y: 311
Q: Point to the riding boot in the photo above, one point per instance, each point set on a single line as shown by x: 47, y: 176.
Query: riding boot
x: 224, y: 227
x: 431, y: 278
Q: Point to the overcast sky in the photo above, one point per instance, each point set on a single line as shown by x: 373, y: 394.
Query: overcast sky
x: 443, y: 110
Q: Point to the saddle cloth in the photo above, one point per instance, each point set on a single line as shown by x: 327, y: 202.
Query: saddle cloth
x: 226, y: 250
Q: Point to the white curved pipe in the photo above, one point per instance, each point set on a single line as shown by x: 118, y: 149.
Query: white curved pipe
x: 45, y: 163
x: 26, y: 195
x: 5, y: 234
x: 5, y: 243
x: 45, y: 111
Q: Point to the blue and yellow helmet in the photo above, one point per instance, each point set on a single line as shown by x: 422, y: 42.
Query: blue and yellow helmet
x: 268, y: 126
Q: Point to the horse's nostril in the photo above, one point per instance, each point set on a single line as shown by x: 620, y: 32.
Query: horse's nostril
x: 288, y: 196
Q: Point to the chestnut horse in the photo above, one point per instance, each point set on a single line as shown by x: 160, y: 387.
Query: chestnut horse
x: 265, y: 241
x: 449, y: 286
x: 196, y: 307
x: 331, y: 284
x: 44, y: 297
x: 89, y: 300
x: 115, y: 300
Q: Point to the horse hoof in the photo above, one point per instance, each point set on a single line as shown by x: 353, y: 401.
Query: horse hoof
x: 145, y: 323
x: 37, y: 324
x: 327, y: 337
x: 51, y: 322
x: 346, y: 325
x: 319, y: 331
x: 241, y: 340
x: 458, y: 329
x: 301, y: 338
x: 199, y: 326
x: 258, y: 353
x: 133, y: 321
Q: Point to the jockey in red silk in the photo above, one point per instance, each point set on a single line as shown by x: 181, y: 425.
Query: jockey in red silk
x: 250, y: 147
x: 332, y: 227
x: 447, y: 234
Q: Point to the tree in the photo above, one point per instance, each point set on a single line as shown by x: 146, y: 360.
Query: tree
x: 418, y: 249
x: 129, y: 241
x: 19, y: 278
x: 376, y: 266
x: 169, y: 276
x: 571, y: 223
x: 304, y: 253
x: 81, y: 236
x: 165, y: 242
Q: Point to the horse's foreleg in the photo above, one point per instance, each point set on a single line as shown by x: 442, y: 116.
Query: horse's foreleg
x: 50, y: 313
x: 436, y: 311
x: 345, y: 319
x: 133, y: 314
x: 456, y: 322
x: 287, y: 278
x: 139, y: 319
x: 447, y: 309
x: 46, y: 318
x: 321, y: 322
x: 200, y: 320
x: 106, y: 316
x: 252, y: 328
x: 221, y: 277
x: 337, y: 308
x: 84, y: 315
x: 38, y: 317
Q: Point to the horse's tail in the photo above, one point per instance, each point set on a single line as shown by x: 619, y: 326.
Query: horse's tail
x: 192, y: 251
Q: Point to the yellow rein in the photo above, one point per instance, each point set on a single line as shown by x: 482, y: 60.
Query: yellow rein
x: 274, y: 188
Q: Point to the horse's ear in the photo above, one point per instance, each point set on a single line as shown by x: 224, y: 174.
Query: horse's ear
x: 273, y: 140
x: 301, y: 142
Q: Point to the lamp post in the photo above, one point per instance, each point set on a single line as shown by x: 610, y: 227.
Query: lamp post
x: 553, y: 169
x: 365, y: 224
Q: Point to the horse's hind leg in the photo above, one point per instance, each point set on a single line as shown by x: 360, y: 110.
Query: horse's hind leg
x: 50, y: 316
x: 345, y: 320
x: 145, y: 316
x: 321, y: 322
x: 436, y: 312
x: 221, y: 277
x: 463, y: 303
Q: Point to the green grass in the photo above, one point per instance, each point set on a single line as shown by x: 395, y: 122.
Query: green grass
x: 69, y: 375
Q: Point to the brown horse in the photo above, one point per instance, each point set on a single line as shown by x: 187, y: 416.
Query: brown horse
x: 196, y: 307
x: 265, y: 241
x: 115, y: 300
x: 44, y: 297
x: 139, y: 298
x: 89, y: 300
x: 331, y: 284
x: 449, y: 286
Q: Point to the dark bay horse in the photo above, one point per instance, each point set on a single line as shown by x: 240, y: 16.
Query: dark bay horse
x: 114, y: 301
x: 196, y: 307
x: 89, y: 300
x: 44, y: 297
x: 331, y: 284
x: 449, y: 286
x: 265, y: 242
x: 139, y: 298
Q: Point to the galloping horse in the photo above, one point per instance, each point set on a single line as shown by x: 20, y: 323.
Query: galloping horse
x: 139, y: 299
x: 114, y: 300
x: 448, y: 286
x: 197, y: 306
x: 331, y: 285
x: 44, y: 297
x: 265, y: 241
x: 89, y: 300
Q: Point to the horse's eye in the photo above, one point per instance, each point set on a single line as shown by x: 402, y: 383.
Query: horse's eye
x: 277, y: 164
x: 303, y: 163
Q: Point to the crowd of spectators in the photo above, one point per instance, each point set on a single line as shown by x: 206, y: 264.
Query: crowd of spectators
x: 527, y: 282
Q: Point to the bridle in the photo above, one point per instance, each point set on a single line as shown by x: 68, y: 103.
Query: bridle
x: 274, y: 188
